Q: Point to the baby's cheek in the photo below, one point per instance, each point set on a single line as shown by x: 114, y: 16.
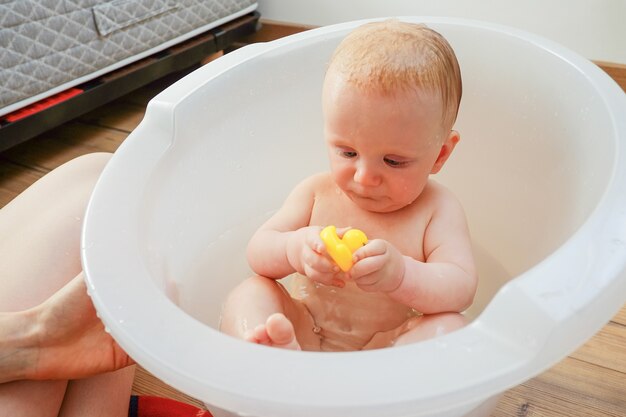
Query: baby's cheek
x: 409, y: 193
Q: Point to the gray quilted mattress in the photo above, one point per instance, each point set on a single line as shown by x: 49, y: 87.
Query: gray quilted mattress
x: 47, y: 46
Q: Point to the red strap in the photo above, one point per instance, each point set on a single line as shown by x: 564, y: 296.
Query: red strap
x: 42, y: 105
x: 148, y: 406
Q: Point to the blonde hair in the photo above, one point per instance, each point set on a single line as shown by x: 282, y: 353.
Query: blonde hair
x: 390, y: 56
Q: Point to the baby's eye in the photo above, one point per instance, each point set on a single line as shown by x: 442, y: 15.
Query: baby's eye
x: 347, y: 153
x: 393, y: 162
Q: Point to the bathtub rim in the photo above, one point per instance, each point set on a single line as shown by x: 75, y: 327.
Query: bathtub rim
x: 187, y: 379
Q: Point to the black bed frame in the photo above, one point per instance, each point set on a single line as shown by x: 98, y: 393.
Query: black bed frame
x: 124, y: 80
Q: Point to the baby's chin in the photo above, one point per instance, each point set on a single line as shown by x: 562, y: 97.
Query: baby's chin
x: 373, y: 205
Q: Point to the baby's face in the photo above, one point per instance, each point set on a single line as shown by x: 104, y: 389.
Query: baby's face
x: 382, y: 148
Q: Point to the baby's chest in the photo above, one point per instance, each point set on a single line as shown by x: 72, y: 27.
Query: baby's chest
x: 403, y: 230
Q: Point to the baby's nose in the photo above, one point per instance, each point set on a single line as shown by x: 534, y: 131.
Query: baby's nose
x: 366, y: 175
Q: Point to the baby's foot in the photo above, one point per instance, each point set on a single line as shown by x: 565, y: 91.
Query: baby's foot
x: 277, y: 332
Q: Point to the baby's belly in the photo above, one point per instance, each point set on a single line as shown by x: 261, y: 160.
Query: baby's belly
x: 347, y: 318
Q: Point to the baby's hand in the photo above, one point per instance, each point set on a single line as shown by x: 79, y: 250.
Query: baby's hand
x: 307, y: 255
x: 378, y: 266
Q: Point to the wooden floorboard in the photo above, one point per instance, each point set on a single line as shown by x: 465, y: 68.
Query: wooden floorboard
x: 148, y: 384
x: 620, y: 317
x: 606, y: 349
x: 589, y: 382
x: 15, y: 178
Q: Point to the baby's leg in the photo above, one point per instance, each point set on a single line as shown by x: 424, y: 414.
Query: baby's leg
x: 277, y: 331
x: 39, y: 254
x: 417, y: 329
x: 260, y: 310
x: 430, y: 326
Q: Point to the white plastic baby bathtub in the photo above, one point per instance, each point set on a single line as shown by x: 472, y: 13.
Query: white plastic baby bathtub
x: 541, y: 171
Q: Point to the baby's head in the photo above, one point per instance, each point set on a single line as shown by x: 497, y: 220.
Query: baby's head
x: 391, y: 95
x: 391, y: 57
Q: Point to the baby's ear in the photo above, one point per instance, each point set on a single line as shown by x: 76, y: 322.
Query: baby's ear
x: 446, y: 150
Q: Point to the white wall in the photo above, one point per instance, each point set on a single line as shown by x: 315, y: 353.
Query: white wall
x: 596, y: 29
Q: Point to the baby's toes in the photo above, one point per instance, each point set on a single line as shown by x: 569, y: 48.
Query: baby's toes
x: 281, y: 332
x: 257, y: 335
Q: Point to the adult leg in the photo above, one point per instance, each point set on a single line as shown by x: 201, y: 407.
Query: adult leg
x: 40, y: 229
x: 39, y: 254
x: 31, y: 398
x: 106, y: 395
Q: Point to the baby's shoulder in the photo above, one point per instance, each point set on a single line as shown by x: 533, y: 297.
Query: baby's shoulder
x: 317, y: 183
x: 438, y: 197
x: 310, y: 188
x: 434, y: 189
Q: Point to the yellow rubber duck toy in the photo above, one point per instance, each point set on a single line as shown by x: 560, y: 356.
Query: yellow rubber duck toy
x: 341, y: 249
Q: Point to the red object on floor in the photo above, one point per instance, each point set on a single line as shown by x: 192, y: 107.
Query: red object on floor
x: 147, y: 406
x: 42, y: 105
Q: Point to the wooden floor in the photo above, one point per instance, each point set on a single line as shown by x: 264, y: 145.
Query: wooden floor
x: 589, y: 382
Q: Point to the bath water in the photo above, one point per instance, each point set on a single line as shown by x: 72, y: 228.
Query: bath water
x: 222, y: 265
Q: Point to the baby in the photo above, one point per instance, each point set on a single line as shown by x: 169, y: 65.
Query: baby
x: 390, y: 98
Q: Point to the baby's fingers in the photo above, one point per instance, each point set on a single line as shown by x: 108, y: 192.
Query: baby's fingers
x: 363, y: 272
x: 373, y: 248
x: 342, y: 231
x: 324, y: 278
x: 318, y: 262
x: 320, y: 269
x: 315, y: 242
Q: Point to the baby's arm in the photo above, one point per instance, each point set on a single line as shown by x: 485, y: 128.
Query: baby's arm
x: 445, y: 282
x: 286, y: 243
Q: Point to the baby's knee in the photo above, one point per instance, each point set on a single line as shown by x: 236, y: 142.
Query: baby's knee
x: 255, y: 287
x: 448, y: 322
x: 257, y: 283
x: 250, y: 303
x: 430, y: 326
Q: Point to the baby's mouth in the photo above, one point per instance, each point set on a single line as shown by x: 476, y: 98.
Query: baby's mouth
x: 364, y: 196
